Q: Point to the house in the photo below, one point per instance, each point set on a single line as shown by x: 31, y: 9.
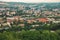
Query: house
x: 31, y: 21
x: 12, y: 18
x: 36, y: 25
x: 7, y: 13
x: 56, y: 21
x: 22, y: 25
x: 44, y: 20
x: 0, y: 13
x: 9, y: 20
x: 13, y: 12
x: 1, y: 20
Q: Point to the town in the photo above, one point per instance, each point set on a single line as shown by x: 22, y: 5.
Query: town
x: 29, y: 21
x: 31, y: 15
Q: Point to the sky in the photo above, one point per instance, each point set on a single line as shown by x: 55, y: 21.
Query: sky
x: 31, y: 1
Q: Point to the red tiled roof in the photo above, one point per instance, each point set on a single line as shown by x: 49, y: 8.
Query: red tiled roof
x: 42, y: 19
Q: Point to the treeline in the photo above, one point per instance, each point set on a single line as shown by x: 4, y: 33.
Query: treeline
x: 30, y: 35
x: 27, y: 26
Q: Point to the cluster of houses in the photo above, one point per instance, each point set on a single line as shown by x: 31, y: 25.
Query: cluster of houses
x: 10, y: 16
x: 19, y: 21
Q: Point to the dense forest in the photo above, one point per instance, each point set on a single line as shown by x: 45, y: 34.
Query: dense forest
x: 30, y: 35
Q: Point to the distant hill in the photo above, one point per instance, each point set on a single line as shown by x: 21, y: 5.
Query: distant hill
x: 36, y: 5
x: 2, y: 2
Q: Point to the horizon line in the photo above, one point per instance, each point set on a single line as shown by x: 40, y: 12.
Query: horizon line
x: 31, y: 2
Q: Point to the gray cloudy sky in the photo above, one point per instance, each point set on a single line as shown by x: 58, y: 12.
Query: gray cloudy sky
x: 33, y: 1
